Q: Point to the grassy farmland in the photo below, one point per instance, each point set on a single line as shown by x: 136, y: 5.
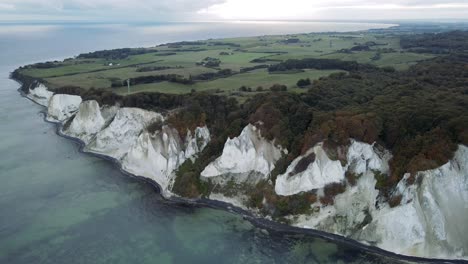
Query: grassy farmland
x: 239, y: 57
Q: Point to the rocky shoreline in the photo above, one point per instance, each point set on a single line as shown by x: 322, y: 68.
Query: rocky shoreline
x: 249, y: 215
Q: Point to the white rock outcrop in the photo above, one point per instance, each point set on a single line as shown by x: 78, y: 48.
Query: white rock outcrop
x: 87, y: 122
x: 40, y: 95
x: 349, y: 211
x: 195, y: 144
x: 118, y: 138
x: 320, y: 172
x: 363, y: 157
x: 109, y: 112
x: 121, y: 133
x: 62, y: 106
x: 245, y: 154
x: 157, y: 156
x: 430, y: 222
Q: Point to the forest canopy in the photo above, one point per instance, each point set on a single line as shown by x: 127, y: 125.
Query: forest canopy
x: 420, y: 114
x: 438, y: 43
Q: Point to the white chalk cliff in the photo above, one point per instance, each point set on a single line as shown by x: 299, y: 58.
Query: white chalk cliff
x: 361, y: 158
x: 116, y: 139
x: 40, y: 95
x: 157, y: 156
x: 197, y: 142
x: 431, y: 221
x: 245, y: 154
x: 121, y: 133
x: 320, y: 172
x: 87, y: 122
x: 62, y: 106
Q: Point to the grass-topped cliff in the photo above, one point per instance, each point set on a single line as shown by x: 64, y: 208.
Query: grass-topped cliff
x: 222, y: 66
x: 410, y: 98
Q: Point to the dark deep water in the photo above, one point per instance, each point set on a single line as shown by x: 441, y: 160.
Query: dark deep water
x: 61, y: 206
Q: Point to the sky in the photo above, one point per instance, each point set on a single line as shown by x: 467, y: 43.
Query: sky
x: 209, y: 10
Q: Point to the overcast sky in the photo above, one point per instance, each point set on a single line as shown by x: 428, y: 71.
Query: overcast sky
x: 190, y: 10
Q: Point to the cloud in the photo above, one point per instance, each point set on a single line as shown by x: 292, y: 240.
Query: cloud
x: 183, y: 10
x: 131, y: 9
x: 338, y: 9
x: 84, y: 5
x: 6, y: 7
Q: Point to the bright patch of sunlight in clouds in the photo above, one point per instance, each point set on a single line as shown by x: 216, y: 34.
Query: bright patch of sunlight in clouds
x: 338, y: 9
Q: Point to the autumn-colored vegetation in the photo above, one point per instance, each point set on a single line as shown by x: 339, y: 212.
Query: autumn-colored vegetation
x: 330, y: 191
x: 419, y: 114
x: 263, y: 197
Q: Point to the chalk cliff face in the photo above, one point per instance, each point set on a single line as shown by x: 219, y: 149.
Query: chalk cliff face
x: 121, y: 133
x: 127, y: 125
x: 363, y: 158
x: 157, y: 156
x: 40, y: 95
x: 249, y: 153
x: 319, y: 173
x: 321, y: 170
x: 431, y: 220
x: 62, y: 107
x: 87, y: 122
x: 197, y: 142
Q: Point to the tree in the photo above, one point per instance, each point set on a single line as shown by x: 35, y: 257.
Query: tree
x: 278, y: 88
x: 303, y: 82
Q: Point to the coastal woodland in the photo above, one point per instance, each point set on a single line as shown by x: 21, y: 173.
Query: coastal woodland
x: 408, y: 93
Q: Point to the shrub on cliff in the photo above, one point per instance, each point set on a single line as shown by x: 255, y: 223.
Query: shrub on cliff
x: 303, y: 82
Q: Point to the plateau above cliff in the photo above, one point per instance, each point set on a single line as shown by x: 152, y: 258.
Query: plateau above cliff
x: 373, y: 154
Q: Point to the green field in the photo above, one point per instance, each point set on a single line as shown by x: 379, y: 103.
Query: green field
x: 183, y: 59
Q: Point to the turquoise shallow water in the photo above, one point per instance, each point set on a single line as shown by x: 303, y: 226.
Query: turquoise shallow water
x: 58, y: 205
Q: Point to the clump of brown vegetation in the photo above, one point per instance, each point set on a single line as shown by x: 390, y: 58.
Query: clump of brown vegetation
x: 279, y: 206
x: 154, y: 126
x: 331, y: 191
x: 395, y: 200
x: 351, y: 178
x: 303, y: 163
